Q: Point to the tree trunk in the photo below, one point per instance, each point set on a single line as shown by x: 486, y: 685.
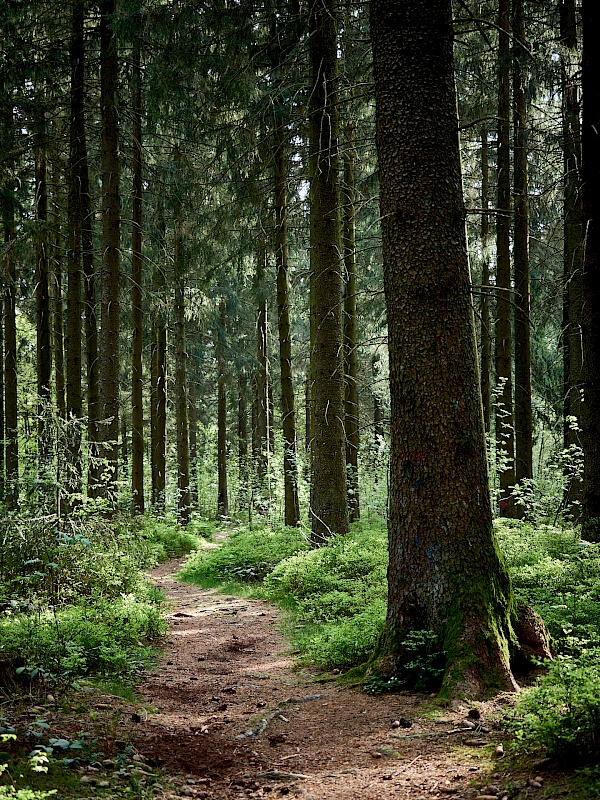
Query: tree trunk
x: 158, y: 379
x: 75, y: 215
x: 439, y: 507
x: 262, y: 379
x: 505, y: 437
x: 590, y: 141
x: 523, y: 413
x: 111, y: 240
x: 193, y: 426
x: 58, y: 350
x: 572, y: 253
x: 351, y: 421
x: 288, y: 414
x: 42, y: 297
x: 378, y: 429
x: 2, y: 433
x: 137, y: 377
x: 222, y: 495
x: 10, y: 361
x: 181, y: 402
x: 328, y: 498
x: 486, y: 339
x: 242, y: 441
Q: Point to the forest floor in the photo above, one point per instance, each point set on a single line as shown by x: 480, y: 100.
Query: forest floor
x: 227, y: 714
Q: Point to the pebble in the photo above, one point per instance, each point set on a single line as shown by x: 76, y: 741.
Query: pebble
x: 375, y: 754
x: 87, y: 779
x: 103, y: 784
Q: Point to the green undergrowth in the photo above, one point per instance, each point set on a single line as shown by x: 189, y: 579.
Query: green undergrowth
x: 73, y: 597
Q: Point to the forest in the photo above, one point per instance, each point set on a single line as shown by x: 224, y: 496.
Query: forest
x: 297, y: 339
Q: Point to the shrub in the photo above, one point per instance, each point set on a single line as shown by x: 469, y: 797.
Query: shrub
x: 562, y: 713
x: 248, y: 555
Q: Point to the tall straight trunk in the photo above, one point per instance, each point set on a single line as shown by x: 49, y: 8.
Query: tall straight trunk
x: 590, y: 143
x: 158, y: 377
x: 328, y: 500
x: 573, y: 242
x: 56, y: 297
x: 74, y: 262
x: 222, y: 495
x: 505, y: 437
x: 137, y: 378
x: 10, y: 361
x: 181, y: 395
x: 523, y: 413
x: 2, y: 434
x: 378, y: 429
x: 486, y: 341
x: 307, y: 413
x: 193, y: 426
x: 351, y: 421
x: 42, y: 297
x: 111, y: 242
x: 288, y: 414
x: 242, y: 440
x: 439, y: 504
x: 262, y: 374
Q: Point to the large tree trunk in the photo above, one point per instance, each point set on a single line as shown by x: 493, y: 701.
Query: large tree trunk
x: 439, y: 507
x: 222, y: 494
x: 42, y: 297
x: 2, y: 433
x: 590, y: 141
x: 351, y: 421
x: 505, y: 435
x: 58, y: 351
x: 137, y: 377
x: 158, y: 378
x: 328, y: 498
x: 523, y: 413
x: 572, y: 253
x: 181, y: 395
x: 73, y: 328
x: 288, y: 414
x: 486, y: 339
x: 111, y: 242
x: 261, y: 455
x: 10, y: 361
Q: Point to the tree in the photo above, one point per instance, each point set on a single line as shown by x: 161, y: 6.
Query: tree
x: 590, y: 145
x: 328, y: 499
x: 439, y: 507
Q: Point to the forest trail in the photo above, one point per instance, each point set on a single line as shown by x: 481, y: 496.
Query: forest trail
x: 233, y: 718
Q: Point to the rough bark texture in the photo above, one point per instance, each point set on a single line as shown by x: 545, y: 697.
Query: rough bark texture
x: 158, y: 377
x: 261, y: 455
x: 181, y: 395
x: 137, y: 377
x: 222, y: 494
x: 2, y: 435
x: 523, y: 414
x: 439, y: 507
x: 328, y: 499
x: 288, y: 413
x: 10, y: 361
x: 486, y: 339
x: 351, y: 420
x: 242, y: 441
x: 590, y: 141
x: 56, y: 297
x: 42, y: 298
x: 193, y: 428
x: 74, y: 214
x: 378, y: 429
x: 111, y: 238
x: 505, y: 435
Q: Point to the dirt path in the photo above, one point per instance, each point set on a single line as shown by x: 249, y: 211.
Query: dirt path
x: 234, y: 719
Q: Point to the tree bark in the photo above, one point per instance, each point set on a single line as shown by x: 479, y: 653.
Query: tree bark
x: 193, y: 426
x: 158, y: 378
x: 439, y: 507
x: 242, y: 441
x: 222, y: 494
x: 486, y: 339
x: 590, y: 141
x: 351, y: 408
x: 111, y: 242
x: 2, y: 431
x: 10, y: 361
x: 137, y: 377
x: 262, y: 379
x: 181, y: 402
x: 288, y: 413
x: 505, y: 435
x: 523, y: 412
x: 56, y: 297
x: 74, y: 262
x: 328, y: 498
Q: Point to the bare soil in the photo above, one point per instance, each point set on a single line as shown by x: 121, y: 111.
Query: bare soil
x: 234, y: 718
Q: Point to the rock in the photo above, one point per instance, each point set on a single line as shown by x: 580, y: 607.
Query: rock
x: 491, y: 789
x: 103, y: 784
x: 375, y: 754
x: 50, y: 699
x: 499, y: 751
x: 88, y: 779
x: 187, y: 792
x: 396, y: 723
x: 532, y: 635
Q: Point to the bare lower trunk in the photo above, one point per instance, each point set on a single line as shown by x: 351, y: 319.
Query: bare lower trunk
x: 158, y: 378
x: 193, y: 426
x: 10, y: 362
x: 262, y: 378
x: 183, y: 439
x: 328, y: 500
x: 486, y: 339
x: 242, y: 441
x: 222, y: 494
